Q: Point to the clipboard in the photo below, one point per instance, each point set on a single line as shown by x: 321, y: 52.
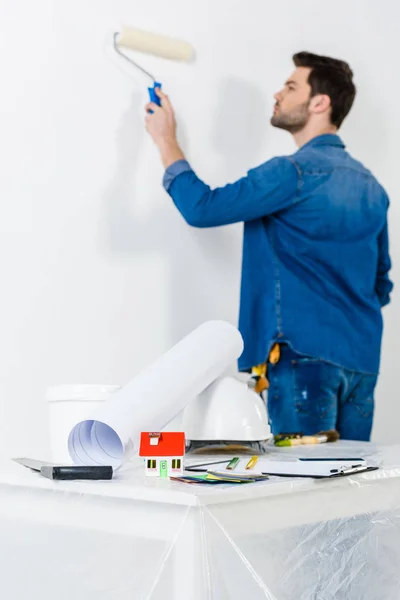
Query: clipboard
x: 318, y: 469
x: 313, y: 468
x: 333, y: 474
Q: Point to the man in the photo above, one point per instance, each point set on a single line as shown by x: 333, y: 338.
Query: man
x: 315, y: 254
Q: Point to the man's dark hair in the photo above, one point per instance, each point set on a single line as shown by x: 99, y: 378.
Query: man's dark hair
x: 331, y: 77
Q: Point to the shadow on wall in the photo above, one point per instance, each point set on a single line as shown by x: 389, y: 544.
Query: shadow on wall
x: 367, y: 129
x: 241, y: 125
x: 204, y: 265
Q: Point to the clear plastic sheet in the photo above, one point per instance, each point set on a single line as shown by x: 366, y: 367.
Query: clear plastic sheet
x: 144, y: 538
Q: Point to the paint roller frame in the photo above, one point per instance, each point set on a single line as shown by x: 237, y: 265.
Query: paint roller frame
x: 151, y: 43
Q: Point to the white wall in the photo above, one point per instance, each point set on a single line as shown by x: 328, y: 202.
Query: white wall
x: 99, y: 274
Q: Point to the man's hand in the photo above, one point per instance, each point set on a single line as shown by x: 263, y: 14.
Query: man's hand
x: 161, y: 125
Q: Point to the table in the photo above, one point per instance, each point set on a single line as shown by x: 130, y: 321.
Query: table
x: 146, y: 538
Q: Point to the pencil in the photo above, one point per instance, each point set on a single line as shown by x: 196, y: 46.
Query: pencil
x: 233, y: 463
x: 252, y: 462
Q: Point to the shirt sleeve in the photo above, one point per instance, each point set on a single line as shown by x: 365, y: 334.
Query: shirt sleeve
x: 178, y: 167
x: 267, y: 189
x: 383, y: 284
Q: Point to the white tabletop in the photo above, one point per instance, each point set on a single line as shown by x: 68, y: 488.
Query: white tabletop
x: 131, y: 483
x: 138, y: 536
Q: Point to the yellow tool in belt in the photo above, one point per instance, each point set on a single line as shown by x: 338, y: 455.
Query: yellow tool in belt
x: 259, y: 372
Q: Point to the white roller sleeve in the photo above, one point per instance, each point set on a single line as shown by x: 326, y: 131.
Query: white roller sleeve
x: 157, y: 395
x: 152, y: 43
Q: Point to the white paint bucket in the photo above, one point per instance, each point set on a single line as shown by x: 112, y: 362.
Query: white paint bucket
x: 69, y: 405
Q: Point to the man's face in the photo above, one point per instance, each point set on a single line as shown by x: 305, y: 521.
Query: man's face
x: 291, y: 110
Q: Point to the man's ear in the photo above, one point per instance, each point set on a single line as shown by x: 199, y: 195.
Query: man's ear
x: 320, y: 103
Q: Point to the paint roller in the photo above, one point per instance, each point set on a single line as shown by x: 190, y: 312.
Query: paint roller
x: 151, y: 43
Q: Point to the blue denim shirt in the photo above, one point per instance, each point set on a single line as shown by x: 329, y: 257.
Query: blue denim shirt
x: 315, y: 251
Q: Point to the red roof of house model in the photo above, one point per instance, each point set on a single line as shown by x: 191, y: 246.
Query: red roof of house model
x: 168, y: 443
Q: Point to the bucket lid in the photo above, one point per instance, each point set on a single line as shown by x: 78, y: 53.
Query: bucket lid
x: 83, y: 393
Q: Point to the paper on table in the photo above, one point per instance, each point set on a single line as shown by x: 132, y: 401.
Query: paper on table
x: 157, y: 395
x: 309, y: 468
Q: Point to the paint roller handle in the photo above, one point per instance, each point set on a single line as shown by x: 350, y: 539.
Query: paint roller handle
x: 153, y: 95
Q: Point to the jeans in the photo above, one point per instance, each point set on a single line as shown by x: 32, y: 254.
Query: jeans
x: 308, y: 395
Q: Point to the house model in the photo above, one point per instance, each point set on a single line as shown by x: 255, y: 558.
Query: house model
x: 163, y: 453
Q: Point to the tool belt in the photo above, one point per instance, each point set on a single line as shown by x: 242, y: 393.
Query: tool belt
x: 259, y: 373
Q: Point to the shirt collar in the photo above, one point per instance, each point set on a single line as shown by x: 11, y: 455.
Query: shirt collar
x: 327, y: 139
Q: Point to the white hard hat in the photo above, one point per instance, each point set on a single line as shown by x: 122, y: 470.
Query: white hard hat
x: 227, y: 410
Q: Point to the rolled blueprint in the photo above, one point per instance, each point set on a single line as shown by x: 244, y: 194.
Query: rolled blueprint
x: 155, y: 396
